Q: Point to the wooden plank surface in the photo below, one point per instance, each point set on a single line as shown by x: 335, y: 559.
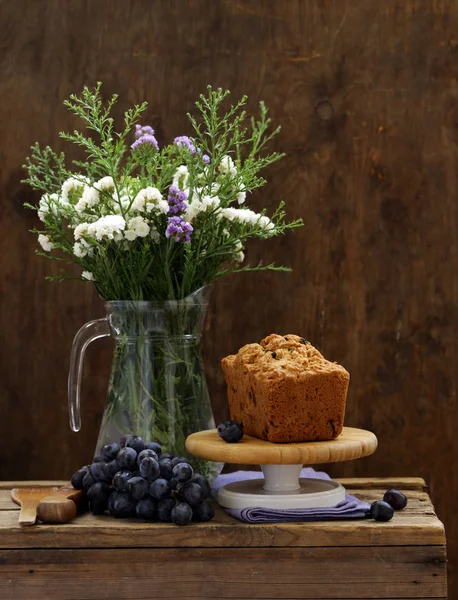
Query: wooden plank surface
x: 409, y: 572
x: 366, y: 93
x: 415, y: 525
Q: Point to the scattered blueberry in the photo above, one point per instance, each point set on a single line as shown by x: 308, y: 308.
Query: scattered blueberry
x: 204, y: 485
x: 159, y: 489
x: 146, y: 509
x: 182, y: 472
x: 164, y: 510
x: 77, y: 478
x: 203, y: 512
x: 120, y: 480
x: 191, y: 493
x: 165, y: 465
x: 396, y: 499
x: 154, y: 446
x: 135, y: 442
x: 230, y: 431
x: 381, y: 511
x: 137, y: 487
x: 144, y: 453
x: 127, y: 458
x: 274, y: 355
x: 181, y: 513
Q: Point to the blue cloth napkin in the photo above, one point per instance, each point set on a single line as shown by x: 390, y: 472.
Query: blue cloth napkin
x: 350, y: 508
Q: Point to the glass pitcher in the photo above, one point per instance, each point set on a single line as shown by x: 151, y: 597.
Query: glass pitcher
x: 157, y: 387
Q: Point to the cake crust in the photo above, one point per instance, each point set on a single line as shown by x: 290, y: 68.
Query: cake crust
x: 284, y: 390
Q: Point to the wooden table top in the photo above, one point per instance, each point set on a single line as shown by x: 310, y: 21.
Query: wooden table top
x: 417, y: 525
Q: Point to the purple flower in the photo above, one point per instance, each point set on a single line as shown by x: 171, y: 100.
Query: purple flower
x: 206, y: 158
x: 184, y: 140
x: 177, y: 201
x: 142, y: 129
x: 146, y: 138
x: 178, y: 229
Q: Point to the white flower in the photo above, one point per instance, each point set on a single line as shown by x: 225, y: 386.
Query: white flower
x: 240, y: 257
x: 226, y: 166
x: 210, y: 202
x: 71, y: 185
x: 192, y: 210
x: 241, y: 197
x: 44, y: 207
x: 109, y: 227
x: 89, y: 199
x: 79, y: 250
x: 45, y: 242
x: 106, y: 183
x: 87, y: 275
x: 150, y: 199
x: 266, y: 224
x: 80, y: 230
x: 181, y: 177
x: 136, y: 227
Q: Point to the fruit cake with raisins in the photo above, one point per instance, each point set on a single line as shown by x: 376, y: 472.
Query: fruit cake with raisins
x: 284, y: 390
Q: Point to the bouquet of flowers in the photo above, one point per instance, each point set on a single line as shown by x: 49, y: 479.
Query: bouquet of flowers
x: 150, y: 223
x: 151, y: 227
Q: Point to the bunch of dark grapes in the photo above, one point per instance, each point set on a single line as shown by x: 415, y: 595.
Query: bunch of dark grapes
x: 135, y: 478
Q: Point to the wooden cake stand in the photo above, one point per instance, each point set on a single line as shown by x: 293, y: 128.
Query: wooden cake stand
x: 281, y: 464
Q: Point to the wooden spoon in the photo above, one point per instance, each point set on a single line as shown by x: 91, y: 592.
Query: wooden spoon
x: 61, y: 505
x: 28, y: 499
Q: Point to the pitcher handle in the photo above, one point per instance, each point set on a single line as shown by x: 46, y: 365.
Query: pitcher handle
x: 93, y: 330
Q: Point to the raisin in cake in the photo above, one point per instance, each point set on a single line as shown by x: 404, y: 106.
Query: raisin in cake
x: 284, y: 390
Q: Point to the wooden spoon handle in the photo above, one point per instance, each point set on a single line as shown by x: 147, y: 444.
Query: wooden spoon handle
x: 60, y: 506
x: 28, y: 514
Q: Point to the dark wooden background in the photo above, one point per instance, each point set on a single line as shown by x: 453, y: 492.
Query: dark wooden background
x: 367, y: 94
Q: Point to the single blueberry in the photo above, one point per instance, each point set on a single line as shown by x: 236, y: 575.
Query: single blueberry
x: 154, y: 446
x: 135, y: 442
x: 191, y: 493
x: 203, y: 482
x: 127, y: 459
x: 381, y: 511
x: 97, y: 471
x: 182, y: 472
x: 88, y: 481
x: 109, y: 470
x: 149, y: 468
x: 181, y: 513
x: 396, y: 499
x: 110, y: 451
x: 120, y: 480
x: 137, y: 487
x: 159, y: 489
x: 164, y: 510
x: 144, y: 453
x: 123, y: 440
x: 230, y: 431
x: 146, y: 509
x: 203, y: 512
x: 166, y: 468
x: 77, y: 478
